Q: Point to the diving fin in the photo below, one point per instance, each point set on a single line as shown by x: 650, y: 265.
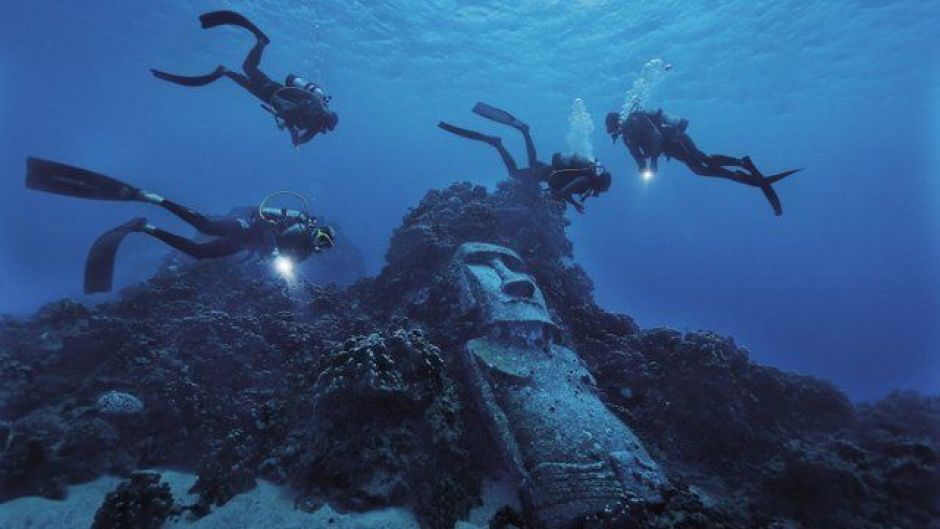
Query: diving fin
x: 99, y: 266
x: 772, y: 198
x: 190, y: 80
x: 230, y: 18
x: 61, y: 179
x: 469, y: 134
x: 773, y: 179
x: 498, y: 115
x: 764, y: 183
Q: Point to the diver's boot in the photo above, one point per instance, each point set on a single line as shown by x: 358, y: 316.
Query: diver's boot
x: 150, y: 198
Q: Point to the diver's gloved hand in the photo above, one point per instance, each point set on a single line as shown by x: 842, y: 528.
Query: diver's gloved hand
x: 323, y: 238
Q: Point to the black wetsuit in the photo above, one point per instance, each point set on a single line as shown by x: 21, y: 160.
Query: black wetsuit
x: 241, y: 231
x: 566, y: 176
x: 650, y: 134
x: 304, y: 113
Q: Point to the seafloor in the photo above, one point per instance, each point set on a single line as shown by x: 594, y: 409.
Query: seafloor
x: 265, y: 403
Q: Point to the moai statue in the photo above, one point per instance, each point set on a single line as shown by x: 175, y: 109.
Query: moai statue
x: 571, y: 457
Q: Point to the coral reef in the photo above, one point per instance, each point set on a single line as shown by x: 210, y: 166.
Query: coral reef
x: 353, y: 394
x: 142, y: 502
x: 118, y: 403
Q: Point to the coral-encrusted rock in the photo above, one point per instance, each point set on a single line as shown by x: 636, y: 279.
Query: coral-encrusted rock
x: 119, y: 403
x: 143, y: 502
x: 387, y: 428
x: 372, y: 375
x: 702, y: 387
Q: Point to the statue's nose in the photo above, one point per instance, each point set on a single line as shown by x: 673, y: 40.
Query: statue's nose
x: 520, y: 288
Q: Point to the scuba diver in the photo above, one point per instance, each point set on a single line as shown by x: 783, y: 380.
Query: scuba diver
x: 568, y: 174
x: 265, y: 231
x: 298, y: 105
x: 650, y: 134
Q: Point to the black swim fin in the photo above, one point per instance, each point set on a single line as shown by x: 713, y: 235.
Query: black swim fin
x: 231, y: 18
x: 469, y: 134
x: 773, y: 179
x: 498, y: 115
x: 190, y: 80
x: 61, y: 179
x: 773, y: 199
x: 765, y: 183
x: 99, y: 266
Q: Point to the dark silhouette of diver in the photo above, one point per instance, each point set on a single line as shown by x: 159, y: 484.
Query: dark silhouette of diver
x: 297, y: 105
x: 568, y: 174
x: 266, y: 232
x: 651, y: 134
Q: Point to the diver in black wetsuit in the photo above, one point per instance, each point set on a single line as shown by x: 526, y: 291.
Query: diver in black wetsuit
x: 267, y: 232
x: 568, y: 175
x: 298, y: 105
x: 651, y: 134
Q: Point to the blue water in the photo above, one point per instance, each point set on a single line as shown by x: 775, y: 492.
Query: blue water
x: 845, y: 285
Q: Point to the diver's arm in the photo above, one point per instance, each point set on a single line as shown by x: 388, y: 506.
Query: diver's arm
x: 577, y: 205
x: 568, y: 192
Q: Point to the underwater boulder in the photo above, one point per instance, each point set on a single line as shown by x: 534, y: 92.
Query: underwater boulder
x: 142, y: 502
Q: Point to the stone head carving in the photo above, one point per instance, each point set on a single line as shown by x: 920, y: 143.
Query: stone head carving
x: 493, y: 280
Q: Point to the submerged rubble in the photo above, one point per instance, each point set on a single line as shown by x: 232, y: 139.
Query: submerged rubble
x: 357, y: 395
x: 142, y: 502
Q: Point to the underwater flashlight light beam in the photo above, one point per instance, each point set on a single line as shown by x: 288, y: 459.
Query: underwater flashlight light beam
x: 284, y: 266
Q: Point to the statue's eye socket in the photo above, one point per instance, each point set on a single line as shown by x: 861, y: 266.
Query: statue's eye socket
x: 486, y: 259
x: 479, y: 258
x: 514, y: 264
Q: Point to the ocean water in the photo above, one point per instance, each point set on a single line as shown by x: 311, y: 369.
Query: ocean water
x: 845, y: 285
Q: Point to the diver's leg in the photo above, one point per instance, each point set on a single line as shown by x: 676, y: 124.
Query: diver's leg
x: 529, y: 146
x: 253, y: 61
x: 220, y: 247
x: 242, y: 81
x: 492, y: 140
x: 724, y: 161
x: 714, y: 171
x: 218, y: 227
x: 501, y: 116
x: 254, y: 80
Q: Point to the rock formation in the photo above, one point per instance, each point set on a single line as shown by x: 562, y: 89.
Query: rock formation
x: 375, y: 394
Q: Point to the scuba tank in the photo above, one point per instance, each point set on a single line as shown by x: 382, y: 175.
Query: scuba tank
x: 296, y: 233
x: 296, y: 81
x: 571, y: 161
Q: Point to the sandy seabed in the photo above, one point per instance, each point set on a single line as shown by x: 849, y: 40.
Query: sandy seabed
x: 267, y: 506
